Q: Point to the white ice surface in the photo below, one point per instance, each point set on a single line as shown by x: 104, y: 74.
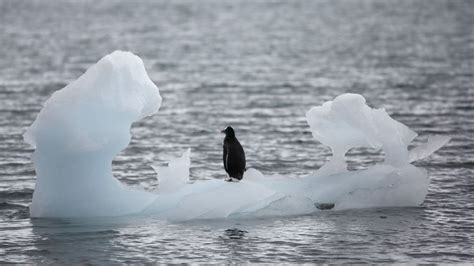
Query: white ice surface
x: 347, y: 122
x: 434, y: 143
x: 175, y: 175
x: 80, y: 130
x: 84, y: 125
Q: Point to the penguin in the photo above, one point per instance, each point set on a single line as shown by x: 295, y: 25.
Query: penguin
x: 234, y: 156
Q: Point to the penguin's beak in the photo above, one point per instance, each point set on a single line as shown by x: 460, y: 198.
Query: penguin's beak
x: 223, y: 131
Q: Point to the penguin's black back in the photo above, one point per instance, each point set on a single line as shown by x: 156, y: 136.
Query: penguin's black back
x: 234, y: 156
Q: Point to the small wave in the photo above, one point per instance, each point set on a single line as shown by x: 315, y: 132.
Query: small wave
x: 14, y: 211
x: 7, y: 206
x: 22, y: 194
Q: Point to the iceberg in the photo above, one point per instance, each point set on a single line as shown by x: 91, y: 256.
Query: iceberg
x: 79, y: 131
x: 84, y: 125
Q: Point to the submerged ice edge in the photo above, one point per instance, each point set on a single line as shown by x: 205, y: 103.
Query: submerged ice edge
x: 84, y: 125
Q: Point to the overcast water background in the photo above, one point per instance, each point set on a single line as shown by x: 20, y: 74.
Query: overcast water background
x: 259, y: 66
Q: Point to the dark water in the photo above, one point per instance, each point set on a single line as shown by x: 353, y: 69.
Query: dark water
x: 257, y: 65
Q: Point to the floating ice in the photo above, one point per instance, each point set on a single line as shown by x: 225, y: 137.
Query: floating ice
x: 84, y: 125
x: 433, y: 144
x: 176, y: 174
x: 79, y: 131
x: 347, y: 122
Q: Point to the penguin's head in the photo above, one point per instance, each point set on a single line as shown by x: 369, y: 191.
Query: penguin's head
x: 229, y: 131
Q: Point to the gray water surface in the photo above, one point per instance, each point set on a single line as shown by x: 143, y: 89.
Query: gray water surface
x: 259, y: 66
